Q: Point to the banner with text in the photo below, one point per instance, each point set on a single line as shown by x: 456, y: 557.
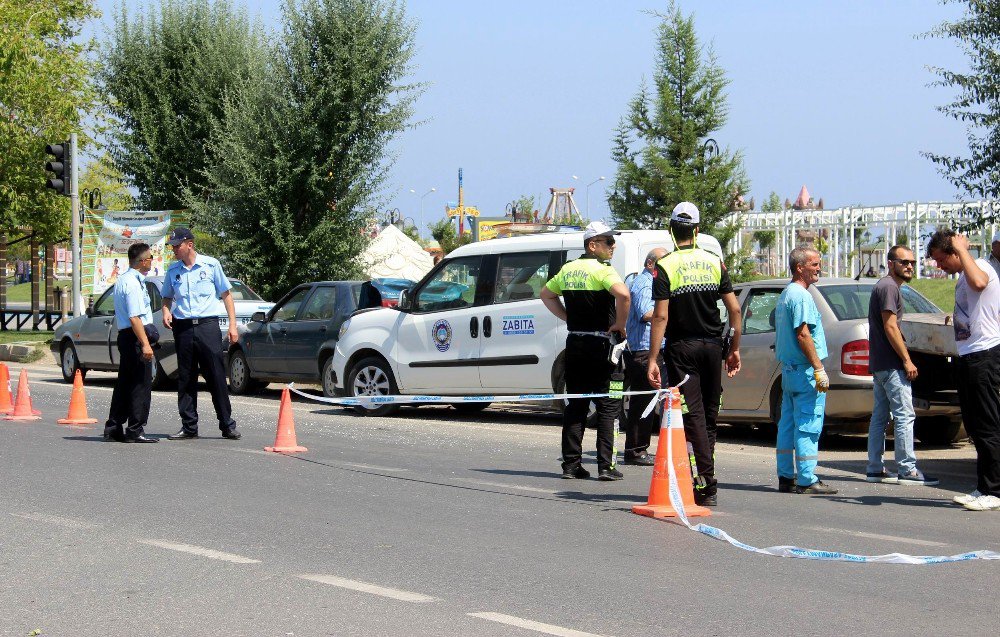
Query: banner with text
x: 107, y: 235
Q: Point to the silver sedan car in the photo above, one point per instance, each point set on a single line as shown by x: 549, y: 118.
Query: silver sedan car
x: 754, y: 395
x: 90, y: 341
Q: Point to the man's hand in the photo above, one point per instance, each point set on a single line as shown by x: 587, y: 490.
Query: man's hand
x: 733, y: 363
x: 822, y: 380
x: 147, y: 352
x: 233, y: 333
x: 910, y: 369
x: 619, y: 327
x: 960, y: 242
x: 653, y: 373
x: 168, y: 318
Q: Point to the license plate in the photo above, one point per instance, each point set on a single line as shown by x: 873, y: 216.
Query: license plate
x: 920, y: 403
x: 241, y: 320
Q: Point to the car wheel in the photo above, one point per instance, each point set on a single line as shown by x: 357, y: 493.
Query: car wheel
x: 372, y: 377
x: 937, y: 430
x: 326, y: 379
x: 240, y: 382
x: 470, y: 408
x: 70, y: 362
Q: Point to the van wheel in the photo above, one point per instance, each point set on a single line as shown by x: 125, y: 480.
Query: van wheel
x: 769, y: 430
x: 372, y: 377
x: 937, y: 430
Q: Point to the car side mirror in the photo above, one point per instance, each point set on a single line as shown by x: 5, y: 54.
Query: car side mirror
x: 257, y: 317
x: 405, y: 300
x: 90, y: 310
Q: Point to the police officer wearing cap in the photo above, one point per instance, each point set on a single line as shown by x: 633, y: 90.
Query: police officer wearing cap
x: 136, y: 337
x: 688, y: 284
x: 596, y: 305
x: 195, y: 293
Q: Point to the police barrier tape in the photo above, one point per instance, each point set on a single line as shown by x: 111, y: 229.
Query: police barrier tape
x: 675, y: 495
x: 793, y: 551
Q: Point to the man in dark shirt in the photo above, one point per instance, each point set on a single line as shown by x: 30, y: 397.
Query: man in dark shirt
x: 892, y: 372
x: 692, y: 281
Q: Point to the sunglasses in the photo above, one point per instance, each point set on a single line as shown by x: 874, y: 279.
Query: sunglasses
x: 608, y: 240
x: 905, y: 262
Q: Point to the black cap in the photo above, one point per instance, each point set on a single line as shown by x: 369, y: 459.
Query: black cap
x: 179, y: 236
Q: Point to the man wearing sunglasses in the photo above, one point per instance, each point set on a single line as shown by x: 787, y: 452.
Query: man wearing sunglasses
x: 597, y: 304
x: 892, y: 372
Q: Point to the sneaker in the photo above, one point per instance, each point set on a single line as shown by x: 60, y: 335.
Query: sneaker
x: 984, y: 503
x: 707, y: 500
x: 967, y: 498
x: 884, y: 477
x: 610, y: 474
x: 917, y: 477
x: 232, y: 434
x: 786, y: 485
x: 575, y: 473
x: 642, y: 460
x: 816, y: 488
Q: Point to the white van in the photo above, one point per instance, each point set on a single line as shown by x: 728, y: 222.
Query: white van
x: 475, y: 324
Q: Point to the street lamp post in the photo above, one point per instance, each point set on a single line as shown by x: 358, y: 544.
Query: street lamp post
x: 422, y: 206
x: 588, y: 194
x: 709, y: 150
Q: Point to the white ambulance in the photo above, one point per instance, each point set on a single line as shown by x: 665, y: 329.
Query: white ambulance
x: 475, y: 324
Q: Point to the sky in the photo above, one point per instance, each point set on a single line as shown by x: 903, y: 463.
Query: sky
x: 525, y: 94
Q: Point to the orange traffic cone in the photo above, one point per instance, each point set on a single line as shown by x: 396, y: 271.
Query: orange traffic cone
x: 284, y: 440
x: 77, y: 405
x: 22, y: 406
x: 672, y: 428
x: 6, y: 400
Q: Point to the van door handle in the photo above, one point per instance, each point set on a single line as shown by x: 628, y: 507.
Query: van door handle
x: 772, y: 346
x: 474, y: 326
x: 487, y: 326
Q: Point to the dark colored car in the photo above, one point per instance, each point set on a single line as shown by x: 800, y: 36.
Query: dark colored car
x: 294, y: 340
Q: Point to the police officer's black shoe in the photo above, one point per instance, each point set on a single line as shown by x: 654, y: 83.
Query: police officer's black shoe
x: 140, y: 438
x: 111, y: 434
x: 706, y: 500
x: 232, y: 433
x: 642, y: 459
x: 575, y: 473
x: 610, y: 474
x: 182, y: 435
x: 786, y: 485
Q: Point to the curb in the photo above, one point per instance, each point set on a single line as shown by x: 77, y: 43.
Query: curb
x: 17, y: 352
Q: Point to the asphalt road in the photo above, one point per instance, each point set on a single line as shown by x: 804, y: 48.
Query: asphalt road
x: 433, y: 523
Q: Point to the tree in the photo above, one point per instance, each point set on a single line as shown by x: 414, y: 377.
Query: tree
x: 168, y: 74
x: 102, y: 175
x: 662, y: 144
x: 301, y: 149
x: 525, y: 205
x: 446, y: 235
x: 976, y: 175
x: 767, y: 238
x: 45, y: 94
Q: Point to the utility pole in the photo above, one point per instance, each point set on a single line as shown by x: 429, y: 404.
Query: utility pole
x: 75, y: 226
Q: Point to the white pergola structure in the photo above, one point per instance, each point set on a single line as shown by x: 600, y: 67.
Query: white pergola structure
x: 917, y: 221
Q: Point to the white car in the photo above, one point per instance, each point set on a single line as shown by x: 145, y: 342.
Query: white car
x: 475, y: 324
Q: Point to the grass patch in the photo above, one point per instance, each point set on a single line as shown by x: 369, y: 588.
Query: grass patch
x: 941, y: 292
x: 21, y: 293
x: 11, y: 336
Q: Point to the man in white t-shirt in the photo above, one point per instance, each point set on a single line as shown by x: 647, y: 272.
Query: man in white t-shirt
x: 977, y: 335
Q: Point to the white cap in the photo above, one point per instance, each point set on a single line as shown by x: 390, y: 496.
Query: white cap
x: 597, y: 229
x: 996, y: 237
x: 685, y: 212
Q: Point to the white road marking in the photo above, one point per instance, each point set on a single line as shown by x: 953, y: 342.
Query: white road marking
x: 364, y: 587
x: 201, y: 551
x: 539, y: 627
x: 503, y: 485
x: 55, y: 519
x: 877, y: 536
x: 259, y: 452
x: 372, y: 467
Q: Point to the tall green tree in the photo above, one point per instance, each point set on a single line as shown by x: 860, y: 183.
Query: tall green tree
x: 977, y: 105
x: 102, y: 175
x: 167, y: 73
x: 45, y: 93
x: 301, y: 152
x: 663, y: 144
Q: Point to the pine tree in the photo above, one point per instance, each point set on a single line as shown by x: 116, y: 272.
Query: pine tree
x: 662, y: 144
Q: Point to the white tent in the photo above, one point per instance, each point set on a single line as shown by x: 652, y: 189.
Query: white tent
x: 393, y: 254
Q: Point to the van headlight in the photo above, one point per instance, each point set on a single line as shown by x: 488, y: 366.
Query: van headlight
x: 343, y: 329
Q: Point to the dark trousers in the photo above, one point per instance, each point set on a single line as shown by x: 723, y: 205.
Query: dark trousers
x: 200, y: 346
x: 638, y: 430
x: 978, y: 384
x: 701, y: 359
x: 588, y: 371
x: 133, y: 389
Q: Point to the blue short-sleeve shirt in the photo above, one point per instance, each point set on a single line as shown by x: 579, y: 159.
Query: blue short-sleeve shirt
x: 637, y: 331
x: 131, y: 299
x: 795, y: 307
x: 196, y: 290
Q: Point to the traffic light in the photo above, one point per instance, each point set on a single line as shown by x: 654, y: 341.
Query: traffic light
x: 61, y: 166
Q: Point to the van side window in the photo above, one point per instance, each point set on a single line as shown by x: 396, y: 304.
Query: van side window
x: 452, y: 286
x: 521, y: 276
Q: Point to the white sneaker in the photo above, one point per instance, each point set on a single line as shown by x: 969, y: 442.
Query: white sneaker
x: 967, y: 498
x: 984, y: 503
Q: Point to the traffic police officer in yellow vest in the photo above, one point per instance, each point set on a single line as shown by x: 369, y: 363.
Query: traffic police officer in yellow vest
x: 689, y: 282
x: 597, y: 304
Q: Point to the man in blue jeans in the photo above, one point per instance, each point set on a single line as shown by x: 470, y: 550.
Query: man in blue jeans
x: 800, y: 347
x: 892, y: 372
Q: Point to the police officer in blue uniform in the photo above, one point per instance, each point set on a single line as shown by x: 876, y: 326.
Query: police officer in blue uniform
x: 195, y: 293
x: 136, y: 336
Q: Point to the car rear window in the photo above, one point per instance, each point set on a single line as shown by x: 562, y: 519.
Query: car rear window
x: 851, y: 301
